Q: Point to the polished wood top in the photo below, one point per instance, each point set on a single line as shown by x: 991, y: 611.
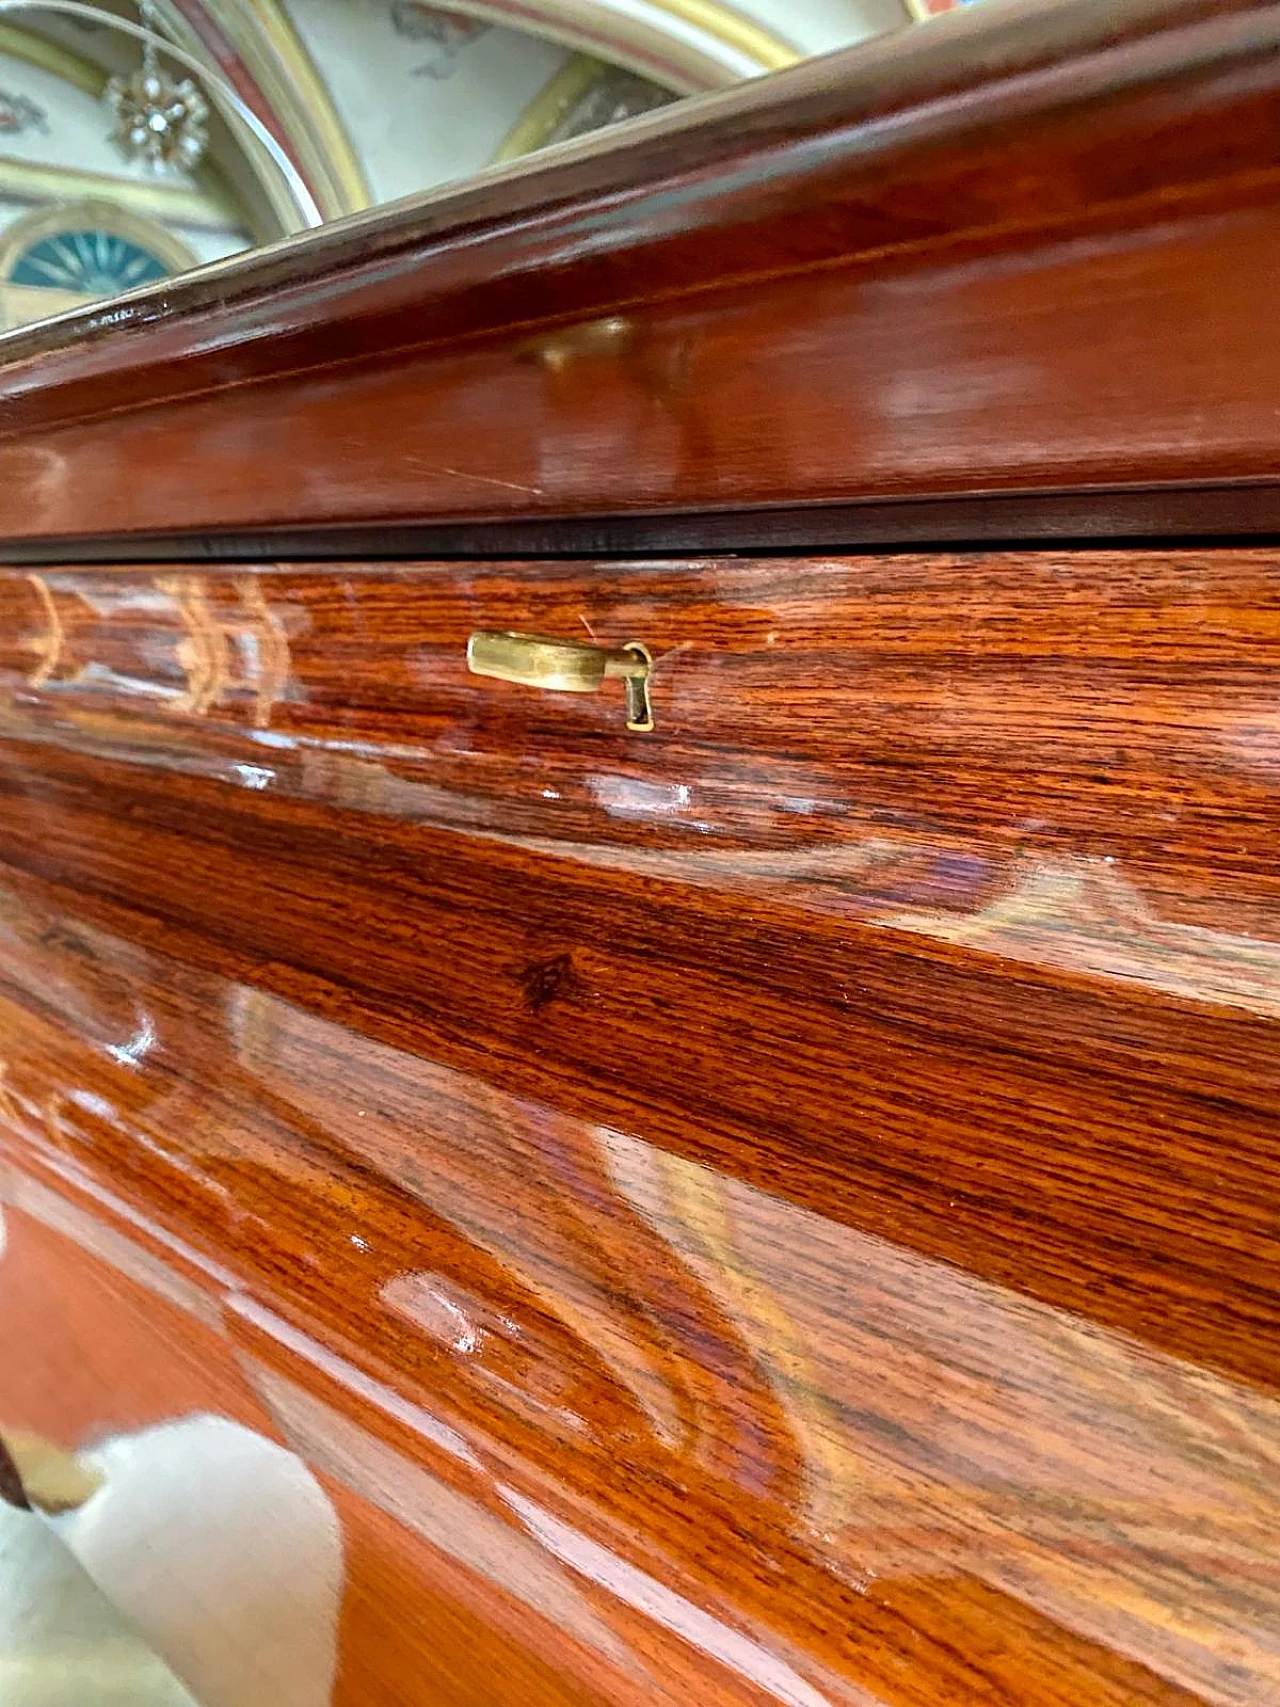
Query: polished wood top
x: 1025, y: 252
x: 782, y: 1209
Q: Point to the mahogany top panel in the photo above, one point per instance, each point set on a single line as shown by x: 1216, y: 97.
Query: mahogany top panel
x: 1023, y: 251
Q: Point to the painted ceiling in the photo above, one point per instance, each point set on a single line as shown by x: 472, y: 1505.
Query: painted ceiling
x: 370, y: 100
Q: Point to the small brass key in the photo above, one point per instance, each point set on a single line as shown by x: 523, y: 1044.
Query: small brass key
x: 565, y: 666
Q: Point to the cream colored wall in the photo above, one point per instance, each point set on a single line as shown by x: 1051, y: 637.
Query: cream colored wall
x: 419, y: 110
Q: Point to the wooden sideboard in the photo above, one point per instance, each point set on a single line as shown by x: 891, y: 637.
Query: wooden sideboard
x: 779, y: 1207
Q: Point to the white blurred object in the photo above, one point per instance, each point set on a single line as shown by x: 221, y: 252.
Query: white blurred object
x: 61, y: 1640
x: 223, y: 1550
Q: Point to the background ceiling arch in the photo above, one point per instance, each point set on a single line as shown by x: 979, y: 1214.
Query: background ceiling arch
x: 375, y: 99
x: 584, y: 95
x: 686, y: 46
x: 54, y: 148
x: 256, y: 46
x: 61, y: 65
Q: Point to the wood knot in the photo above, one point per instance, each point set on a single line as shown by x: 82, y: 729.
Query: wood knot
x: 542, y: 981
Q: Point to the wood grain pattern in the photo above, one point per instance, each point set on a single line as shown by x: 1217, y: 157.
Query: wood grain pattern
x: 650, y: 1373
x: 1026, y: 252
x: 782, y: 1209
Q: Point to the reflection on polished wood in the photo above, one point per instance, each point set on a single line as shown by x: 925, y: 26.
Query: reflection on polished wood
x: 783, y: 1208
x: 780, y: 1209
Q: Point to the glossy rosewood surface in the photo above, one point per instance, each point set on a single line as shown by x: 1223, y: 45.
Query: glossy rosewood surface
x: 1026, y: 250
x: 781, y: 1209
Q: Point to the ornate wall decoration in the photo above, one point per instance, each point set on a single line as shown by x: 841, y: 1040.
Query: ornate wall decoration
x: 159, y: 118
x: 427, y: 94
x: 615, y: 94
x: 584, y: 96
x: 211, y: 208
x: 255, y: 44
x: 687, y: 46
x: 67, y: 87
x: 332, y: 80
x: 73, y: 253
x: 451, y: 32
x: 18, y: 113
x: 91, y: 262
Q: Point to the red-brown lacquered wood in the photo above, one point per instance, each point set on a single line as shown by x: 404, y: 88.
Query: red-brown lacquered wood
x: 599, y: 1422
x: 1027, y: 250
x: 1011, y: 704
x: 917, y: 846
x: 779, y: 1209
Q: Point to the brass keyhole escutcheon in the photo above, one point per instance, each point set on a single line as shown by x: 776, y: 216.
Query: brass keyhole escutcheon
x: 565, y: 666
